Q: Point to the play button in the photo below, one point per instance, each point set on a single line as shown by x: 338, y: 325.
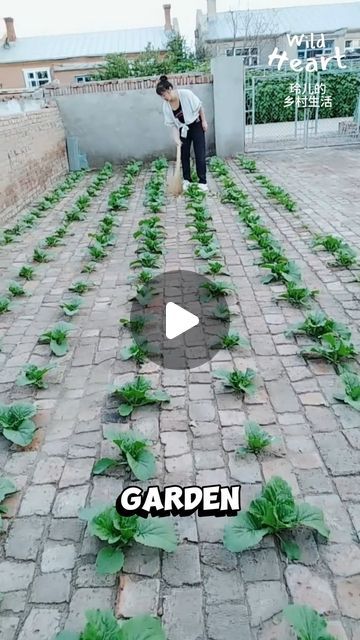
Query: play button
x: 178, y: 320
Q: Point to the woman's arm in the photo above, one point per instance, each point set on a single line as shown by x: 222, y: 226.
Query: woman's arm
x: 203, y: 119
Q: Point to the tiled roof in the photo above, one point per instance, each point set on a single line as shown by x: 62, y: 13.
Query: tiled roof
x: 76, y: 45
x: 296, y: 20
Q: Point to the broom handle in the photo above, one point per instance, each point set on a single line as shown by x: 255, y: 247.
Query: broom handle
x: 178, y: 157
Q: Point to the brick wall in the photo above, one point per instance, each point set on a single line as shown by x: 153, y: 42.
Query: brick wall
x: 126, y: 84
x: 32, y: 157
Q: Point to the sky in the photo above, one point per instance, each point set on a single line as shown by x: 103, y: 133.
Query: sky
x: 39, y: 17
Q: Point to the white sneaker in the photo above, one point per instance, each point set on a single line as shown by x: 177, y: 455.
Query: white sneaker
x: 203, y: 187
x: 186, y: 185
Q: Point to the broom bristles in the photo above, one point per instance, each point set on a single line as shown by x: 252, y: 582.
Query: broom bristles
x: 175, y: 181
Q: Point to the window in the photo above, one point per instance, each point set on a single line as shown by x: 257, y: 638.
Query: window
x: 248, y: 54
x: 80, y: 79
x: 348, y: 44
x: 36, y: 77
x: 307, y: 52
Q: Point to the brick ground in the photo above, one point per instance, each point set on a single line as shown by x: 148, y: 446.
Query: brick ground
x: 203, y: 591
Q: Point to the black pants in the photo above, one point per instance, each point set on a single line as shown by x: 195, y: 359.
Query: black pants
x: 196, y: 136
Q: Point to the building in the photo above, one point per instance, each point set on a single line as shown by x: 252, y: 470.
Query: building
x: 253, y: 34
x: 34, y: 61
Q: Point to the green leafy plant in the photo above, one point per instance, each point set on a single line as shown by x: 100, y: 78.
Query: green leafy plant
x: 26, y: 272
x: 137, y: 394
x: 136, y: 324
x: 34, y: 375
x: 210, y: 251
x: 221, y: 312
x: 52, y: 241
x: 16, y: 424
x: 307, y: 623
x: 75, y: 215
x: 16, y: 289
x: 104, y: 238
x: 138, y: 351
x: 318, y: 324
x: 71, y: 307
x: 102, y: 625
x: 7, y: 488
x: 237, y: 381
x: 117, y: 202
x: 247, y: 164
x: 273, y: 512
x: 57, y: 337
x: 120, y: 531
x: 97, y: 252
x: 89, y: 267
x: 281, y: 271
x: 351, y: 393
x: 80, y: 287
x: 257, y: 439
x: 345, y: 257
x: 83, y: 202
x: 144, y: 294
x: 328, y: 242
x: 61, y: 231
x: 215, y: 268
x: 40, y: 255
x: 333, y: 349
x: 215, y: 290
x: 298, y: 296
x: 146, y: 260
x: 230, y: 341
x: 4, y: 304
x: 135, y: 454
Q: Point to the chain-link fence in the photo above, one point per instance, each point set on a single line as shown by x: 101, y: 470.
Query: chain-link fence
x: 285, y: 109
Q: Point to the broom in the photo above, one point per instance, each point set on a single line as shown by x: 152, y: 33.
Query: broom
x: 175, y: 181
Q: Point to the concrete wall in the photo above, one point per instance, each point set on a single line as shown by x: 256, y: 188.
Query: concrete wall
x: 229, y: 108
x: 32, y: 157
x: 116, y: 126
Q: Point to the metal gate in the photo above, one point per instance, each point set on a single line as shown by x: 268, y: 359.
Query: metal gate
x: 288, y: 110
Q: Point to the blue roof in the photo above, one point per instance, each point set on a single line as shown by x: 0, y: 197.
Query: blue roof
x: 75, y: 45
x: 315, y: 18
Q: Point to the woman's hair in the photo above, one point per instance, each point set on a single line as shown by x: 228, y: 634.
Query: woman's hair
x: 163, y: 85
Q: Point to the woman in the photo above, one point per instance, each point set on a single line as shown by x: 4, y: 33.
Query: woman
x: 183, y: 112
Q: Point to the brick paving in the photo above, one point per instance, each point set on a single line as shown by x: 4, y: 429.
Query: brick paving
x: 202, y: 591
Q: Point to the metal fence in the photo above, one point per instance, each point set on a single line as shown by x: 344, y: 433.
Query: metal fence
x: 285, y: 109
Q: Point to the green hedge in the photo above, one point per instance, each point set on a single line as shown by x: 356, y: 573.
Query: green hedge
x: 270, y: 94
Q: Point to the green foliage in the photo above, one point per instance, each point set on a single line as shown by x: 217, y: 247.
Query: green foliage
x: 316, y: 325
x: 276, y: 192
x: 57, y: 337
x: 151, y: 62
x: 297, y: 295
x: 332, y: 348
x: 351, y: 393
x: 307, y: 623
x: 345, y: 257
x: 138, y: 351
x: 80, y: 287
x: 16, y: 424
x: 97, y: 252
x: 52, y: 241
x: 215, y: 290
x: 26, y: 272
x: 146, y: 260
x: 328, y: 242
x: 120, y: 531
x: 212, y: 250
x: 40, y: 255
x: 137, y: 394
x: 89, y: 267
x: 102, y: 625
x: 16, y: 289
x: 237, y: 381
x: 33, y: 375
x: 215, y: 268
x: 272, y: 90
x: 230, y: 341
x: 221, y: 312
x: 136, y: 324
x: 6, y: 489
x: 135, y: 453
x: 247, y: 164
x: 256, y: 439
x: 274, y: 512
x: 71, y: 307
x: 4, y: 304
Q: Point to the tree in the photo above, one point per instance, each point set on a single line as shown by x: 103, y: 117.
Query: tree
x: 116, y: 65
x: 252, y: 30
